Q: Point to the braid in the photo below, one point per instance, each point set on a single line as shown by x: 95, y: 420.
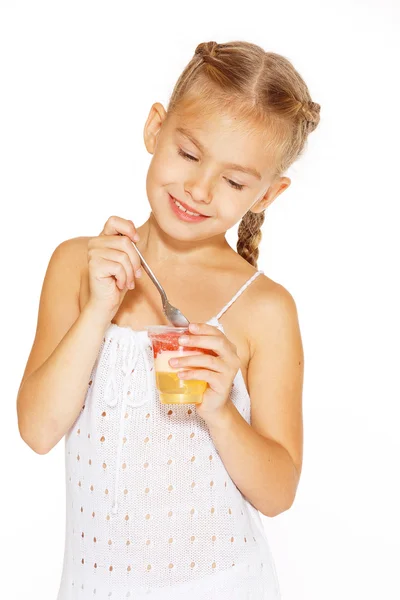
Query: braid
x: 249, y: 236
x: 310, y: 111
x: 207, y: 49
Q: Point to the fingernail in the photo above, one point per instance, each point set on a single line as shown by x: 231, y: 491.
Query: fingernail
x: 139, y: 273
x: 136, y: 237
x: 183, y: 340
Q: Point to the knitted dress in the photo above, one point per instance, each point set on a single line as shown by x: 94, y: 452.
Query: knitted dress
x: 151, y: 511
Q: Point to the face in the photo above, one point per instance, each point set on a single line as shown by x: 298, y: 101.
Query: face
x: 197, y: 161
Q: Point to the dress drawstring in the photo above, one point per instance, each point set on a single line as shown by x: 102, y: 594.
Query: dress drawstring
x: 130, y: 352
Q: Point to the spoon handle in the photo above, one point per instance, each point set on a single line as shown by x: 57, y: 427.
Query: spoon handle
x: 151, y: 275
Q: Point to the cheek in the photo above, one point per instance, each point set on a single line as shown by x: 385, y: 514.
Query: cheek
x: 165, y: 168
x: 162, y: 175
x: 230, y: 209
x: 157, y: 167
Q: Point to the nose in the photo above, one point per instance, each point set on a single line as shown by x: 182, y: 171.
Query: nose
x: 199, y: 189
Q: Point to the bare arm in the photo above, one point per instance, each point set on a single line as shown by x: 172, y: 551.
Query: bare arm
x: 65, y: 348
x: 264, y: 459
x: 67, y: 341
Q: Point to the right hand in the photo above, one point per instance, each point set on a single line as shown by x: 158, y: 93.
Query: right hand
x: 113, y: 263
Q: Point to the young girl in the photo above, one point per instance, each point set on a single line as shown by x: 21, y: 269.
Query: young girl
x: 163, y: 501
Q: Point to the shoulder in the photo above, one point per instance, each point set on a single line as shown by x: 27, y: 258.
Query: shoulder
x: 265, y: 305
x: 70, y: 258
x: 72, y: 253
x: 270, y: 295
x: 273, y: 309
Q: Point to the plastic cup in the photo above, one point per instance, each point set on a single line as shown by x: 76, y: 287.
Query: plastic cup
x: 172, y: 390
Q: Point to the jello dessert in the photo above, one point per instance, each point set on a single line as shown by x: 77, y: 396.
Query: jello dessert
x: 173, y: 390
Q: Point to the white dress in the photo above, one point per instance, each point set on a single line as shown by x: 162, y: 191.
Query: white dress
x: 151, y: 511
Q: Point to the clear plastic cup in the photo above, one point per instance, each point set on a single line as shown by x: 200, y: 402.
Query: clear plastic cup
x: 172, y: 390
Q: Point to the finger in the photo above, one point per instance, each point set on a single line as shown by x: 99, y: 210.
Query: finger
x: 124, y: 244
x: 116, y: 225
x: 213, y: 379
x: 206, y: 361
x: 204, y: 328
x: 120, y: 257
x: 215, y: 343
x: 112, y: 268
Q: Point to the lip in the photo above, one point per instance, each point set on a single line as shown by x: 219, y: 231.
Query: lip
x: 187, y: 207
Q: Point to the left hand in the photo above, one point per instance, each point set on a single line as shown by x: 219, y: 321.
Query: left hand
x: 218, y: 371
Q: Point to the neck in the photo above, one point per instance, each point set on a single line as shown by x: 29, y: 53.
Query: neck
x: 159, y: 247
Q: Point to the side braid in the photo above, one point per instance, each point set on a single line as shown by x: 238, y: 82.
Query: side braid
x: 249, y: 236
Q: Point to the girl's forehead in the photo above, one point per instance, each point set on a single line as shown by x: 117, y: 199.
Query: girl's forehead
x: 201, y: 119
x: 218, y: 125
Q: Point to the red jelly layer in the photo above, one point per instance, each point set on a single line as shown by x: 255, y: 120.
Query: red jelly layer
x: 169, y: 341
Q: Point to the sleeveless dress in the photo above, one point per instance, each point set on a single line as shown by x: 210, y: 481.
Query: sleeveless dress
x: 151, y: 511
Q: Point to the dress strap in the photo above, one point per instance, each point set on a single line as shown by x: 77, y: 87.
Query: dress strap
x: 236, y: 296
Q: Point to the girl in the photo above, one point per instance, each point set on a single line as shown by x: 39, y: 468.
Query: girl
x: 163, y: 501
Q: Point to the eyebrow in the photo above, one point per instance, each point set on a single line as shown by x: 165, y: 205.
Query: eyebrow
x: 234, y: 166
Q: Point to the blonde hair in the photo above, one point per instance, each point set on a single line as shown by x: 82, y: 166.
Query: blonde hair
x: 260, y: 87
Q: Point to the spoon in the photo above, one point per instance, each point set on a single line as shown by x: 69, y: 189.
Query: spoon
x: 172, y: 313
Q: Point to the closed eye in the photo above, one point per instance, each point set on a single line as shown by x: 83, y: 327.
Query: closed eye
x: 235, y: 185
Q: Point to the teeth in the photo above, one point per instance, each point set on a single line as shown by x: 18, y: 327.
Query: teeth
x: 189, y: 212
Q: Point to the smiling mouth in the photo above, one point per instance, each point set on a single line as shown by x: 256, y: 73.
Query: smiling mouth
x: 184, y: 208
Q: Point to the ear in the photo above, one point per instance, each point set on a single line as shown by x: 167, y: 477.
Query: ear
x: 153, y: 125
x: 276, y: 188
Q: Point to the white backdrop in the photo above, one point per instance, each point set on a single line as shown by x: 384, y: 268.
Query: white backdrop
x: 78, y: 80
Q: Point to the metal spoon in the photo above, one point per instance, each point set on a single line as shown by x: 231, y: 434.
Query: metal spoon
x: 173, y: 314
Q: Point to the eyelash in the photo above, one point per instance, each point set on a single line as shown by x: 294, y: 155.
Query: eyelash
x: 237, y: 186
